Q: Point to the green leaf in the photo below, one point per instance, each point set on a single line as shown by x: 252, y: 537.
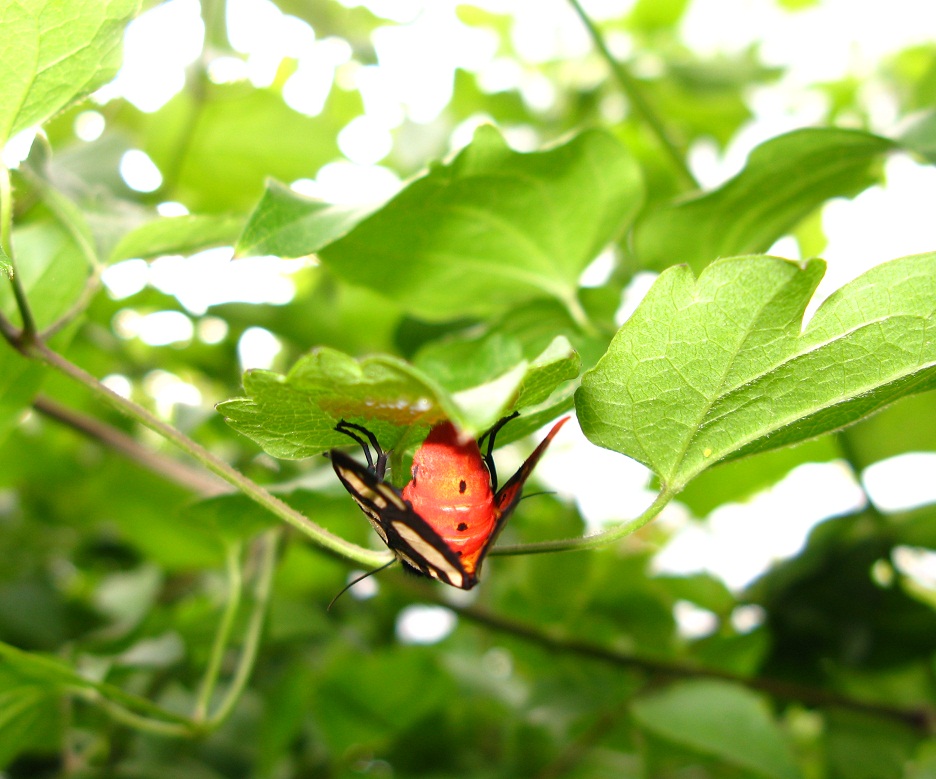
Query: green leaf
x: 288, y: 224
x: 920, y: 137
x: 864, y: 747
x: 219, y: 147
x: 177, y: 235
x: 20, y: 380
x: 55, y: 52
x: 294, y: 416
x: 715, y: 368
x: 227, y: 518
x: 28, y: 712
x: 52, y: 269
x: 719, y: 719
x: 494, y: 227
x: 784, y: 180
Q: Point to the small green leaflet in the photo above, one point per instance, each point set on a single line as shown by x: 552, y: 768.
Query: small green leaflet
x: 294, y: 416
x: 715, y: 368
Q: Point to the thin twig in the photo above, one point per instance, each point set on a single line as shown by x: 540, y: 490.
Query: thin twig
x: 200, y: 482
x: 634, y: 93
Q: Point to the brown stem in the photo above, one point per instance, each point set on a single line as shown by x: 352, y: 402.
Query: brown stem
x: 922, y: 718
x: 198, y: 481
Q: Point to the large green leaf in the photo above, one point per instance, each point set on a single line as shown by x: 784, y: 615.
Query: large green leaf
x: 715, y: 368
x: 784, y: 180
x: 294, y: 416
x: 493, y: 227
x: 53, y: 52
x: 719, y: 719
x: 217, y: 148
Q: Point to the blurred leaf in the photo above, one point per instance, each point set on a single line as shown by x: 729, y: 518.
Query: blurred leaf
x: 216, y: 148
x: 52, y: 269
x: 650, y: 16
x: 864, y: 747
x: 54, y: 53
x: 288, y: 224
x: 228, y: 518
x: 920, y: 137
x: 720, y: 719
x: 784, y: 180
x: 701, y: 589
x: 737, y: 480
x: 53, y: 272
x: 907, y: 426
x: 294, y: 416
x: 825, y: 610
x: 716, y: 368
x: 176, y: 235
x: 362, y: 708
x: 20, y: 380
x: 494, y: 227
x: 30, y: 715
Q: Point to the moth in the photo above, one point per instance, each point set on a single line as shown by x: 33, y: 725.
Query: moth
x: 446, y: 519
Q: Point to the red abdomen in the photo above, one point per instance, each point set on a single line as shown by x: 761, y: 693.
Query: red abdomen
x: 451, y: 490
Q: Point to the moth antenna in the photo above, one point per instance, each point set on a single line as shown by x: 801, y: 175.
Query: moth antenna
x: 350, y: 584
x: 535, y: 494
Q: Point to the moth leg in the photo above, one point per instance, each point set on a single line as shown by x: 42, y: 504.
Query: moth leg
x: 375, y: 464
x: 490, y: 435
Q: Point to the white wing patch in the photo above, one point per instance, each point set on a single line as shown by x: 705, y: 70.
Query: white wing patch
x: 438, y: 565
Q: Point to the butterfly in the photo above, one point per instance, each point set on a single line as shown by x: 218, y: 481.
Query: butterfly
x: 446, y: 519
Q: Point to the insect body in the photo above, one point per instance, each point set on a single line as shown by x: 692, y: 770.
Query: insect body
x: 448, y: 516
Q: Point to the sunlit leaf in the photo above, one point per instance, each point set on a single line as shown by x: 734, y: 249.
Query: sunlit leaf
x: 784, y: 180
x: 288, y: 224
x: 53, y: 53
x: 494, y: 228
x: 716, y: 367
x: 176, y: 235
x: 219, y: 147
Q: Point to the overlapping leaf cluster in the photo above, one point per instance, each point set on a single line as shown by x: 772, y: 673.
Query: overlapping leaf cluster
x: 465, y: 297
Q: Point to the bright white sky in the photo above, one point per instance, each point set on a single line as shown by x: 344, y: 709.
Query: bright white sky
x: 417, y: 56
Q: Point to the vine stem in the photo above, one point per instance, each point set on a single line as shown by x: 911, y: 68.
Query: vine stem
x: 248, y: 655
x: 6, y: 244
x: 235, y: 589
x: 632, y: 89
x: 593, y: 541
x: 329, y: 541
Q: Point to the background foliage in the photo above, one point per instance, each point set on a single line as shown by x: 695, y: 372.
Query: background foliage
x: 171, y: 535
